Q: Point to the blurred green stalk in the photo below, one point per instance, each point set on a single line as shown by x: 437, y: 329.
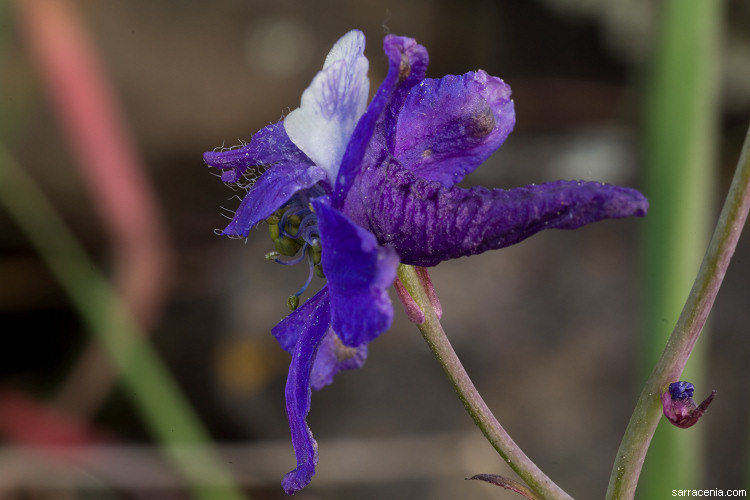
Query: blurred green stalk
x: 146, y: 380
x: 681, y: 131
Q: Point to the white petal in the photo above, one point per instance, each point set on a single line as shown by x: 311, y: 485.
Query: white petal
x: 332, y: 105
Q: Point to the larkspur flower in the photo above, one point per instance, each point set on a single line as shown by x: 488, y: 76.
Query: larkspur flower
x: 357, y: 189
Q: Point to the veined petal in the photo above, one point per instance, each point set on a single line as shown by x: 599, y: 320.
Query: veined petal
x: 427, y: 223
x: 407, y: 67
x: 359, y: 272
x: 333, y: 356
x: 274, y: 188
x: 309, y: 326
x: 448, y: 127
x: 332, y: 104
x: 269, y: 146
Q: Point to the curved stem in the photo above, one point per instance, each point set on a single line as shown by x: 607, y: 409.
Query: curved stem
x: 433, y: 333
x: 648, y: 410
x: 91, y: 119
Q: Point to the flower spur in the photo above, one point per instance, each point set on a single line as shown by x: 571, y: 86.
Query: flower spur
x: 360, y: 188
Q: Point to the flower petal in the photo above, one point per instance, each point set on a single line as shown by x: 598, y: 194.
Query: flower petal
x: 269, y: 146
x: 309, y: 326
x: 332, y: 104
x: 274, y: 188
x: 359, y: 273
x: 287, y: 331
x: 427, y: 223
x: 448, y: 127
x: 333, y: 356
x: 407, y: 67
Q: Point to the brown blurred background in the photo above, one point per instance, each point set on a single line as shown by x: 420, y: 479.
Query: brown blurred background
x: 547, y: 328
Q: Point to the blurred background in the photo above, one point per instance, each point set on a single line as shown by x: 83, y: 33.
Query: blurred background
x: 107, y: 108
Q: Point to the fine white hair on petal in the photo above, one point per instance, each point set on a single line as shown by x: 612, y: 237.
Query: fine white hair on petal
x: 331, y: 106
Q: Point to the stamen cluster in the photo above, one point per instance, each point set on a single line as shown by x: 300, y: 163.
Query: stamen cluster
x: 294, y: 232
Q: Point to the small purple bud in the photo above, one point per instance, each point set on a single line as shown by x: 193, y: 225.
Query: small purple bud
x: 681, y: 390
x: 679, y: 407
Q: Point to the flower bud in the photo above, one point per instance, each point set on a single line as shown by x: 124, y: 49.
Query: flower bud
x: 292, y: 302
x: 679, y: 407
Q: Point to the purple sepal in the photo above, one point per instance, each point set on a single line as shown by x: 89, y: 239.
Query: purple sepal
x: 333, y: 356
x: 308, y: 327
x: 448, y: 127
x: 679, y: 407
x: 407, y: 67
x: 427, y: 223
x: 287, y: 331
x: 274, y: 188
x: 269, y: 146
x: 359, y: 272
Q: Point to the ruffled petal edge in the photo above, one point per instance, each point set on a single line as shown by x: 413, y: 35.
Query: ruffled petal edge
x: 307, y: 330
x: 448, y: 127
x: 272, y: 190
x: 269, y: 146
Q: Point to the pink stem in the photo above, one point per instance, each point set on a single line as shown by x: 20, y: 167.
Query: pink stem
x: 92, y: 121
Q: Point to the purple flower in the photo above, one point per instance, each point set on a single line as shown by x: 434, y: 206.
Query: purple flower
x: 679, y: 407
x: 357, y: 189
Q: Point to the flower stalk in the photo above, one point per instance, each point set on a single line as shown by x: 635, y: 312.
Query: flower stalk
x: 648, y: 410
x: 436, y: 339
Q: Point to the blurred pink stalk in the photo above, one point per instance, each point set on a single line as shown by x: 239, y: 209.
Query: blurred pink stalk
x: 22, y: 419
x: 92, y: 121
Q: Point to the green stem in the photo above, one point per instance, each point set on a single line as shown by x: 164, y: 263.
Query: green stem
x: 146, y: 380
x: 648, y: 411
x: 680, y: 131
x: 433, y: 333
